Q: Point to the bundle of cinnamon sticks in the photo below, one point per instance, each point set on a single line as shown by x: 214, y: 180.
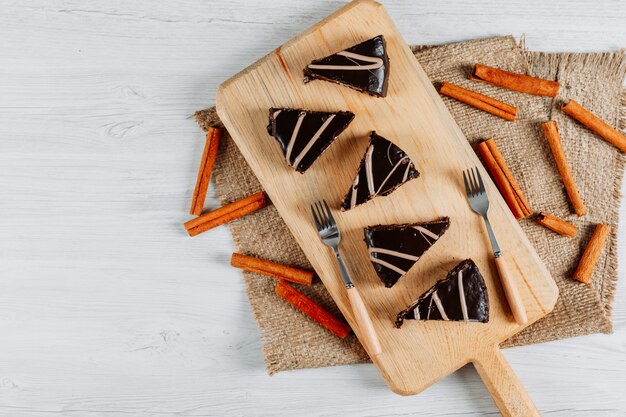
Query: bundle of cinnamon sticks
x: 502, y: 176
x: 294, y: 297
x: 240, y: 208
x: 225, y: 214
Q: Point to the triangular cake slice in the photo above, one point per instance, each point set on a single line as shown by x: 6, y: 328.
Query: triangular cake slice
x: 364, y: 67
x: 304, y: 135
x: 461, y: 296
x: 384, y: 168
x: 394, y: 249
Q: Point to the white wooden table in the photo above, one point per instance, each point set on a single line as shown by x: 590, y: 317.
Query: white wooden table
x: 108, y: 308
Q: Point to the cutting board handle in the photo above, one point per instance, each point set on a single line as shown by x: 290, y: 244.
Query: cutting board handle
x: 506, y: 389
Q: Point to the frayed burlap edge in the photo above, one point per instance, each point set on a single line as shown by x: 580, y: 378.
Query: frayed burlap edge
x: 614, y: 63
x: 273, y: 358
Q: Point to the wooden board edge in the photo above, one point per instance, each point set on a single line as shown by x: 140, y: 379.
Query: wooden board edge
x: 397, y: 389
x: 221, y: 104
x: 296, y: 38
x: 371, y: 3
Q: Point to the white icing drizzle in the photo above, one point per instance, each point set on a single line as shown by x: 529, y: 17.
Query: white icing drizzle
x: 276, y: 113
x: 416, y: 312
x: 388, y: 265
x: 375, y: 63
x: 389, y: 175
x: 437, y: 301
x: 368, y: 167
x: 313, y: 140
x: 355, y: 186
x: 369, y: 174
x: 394, y: 253
x: 406, y: 171
x: 423, y: 231
x: 294, y: 134
x: 389, y: 147
x: 462, y: 296
x: 430, y: 305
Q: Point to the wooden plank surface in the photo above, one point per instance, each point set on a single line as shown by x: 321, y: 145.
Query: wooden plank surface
x: 130, y: 316
x: 413, y: 116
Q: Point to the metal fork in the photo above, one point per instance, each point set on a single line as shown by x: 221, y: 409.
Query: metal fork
x: 330, y: 235
x: 479, y: 202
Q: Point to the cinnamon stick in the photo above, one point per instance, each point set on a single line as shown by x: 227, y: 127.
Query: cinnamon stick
x: 557, y: 225
x: 592, y: 253
x: 551, y: 131
x: 517, y: 190
x: 272, y: 269
x: 225, y: 214
x: 480, y: 101
x: 501, y: 182
x: 596, y: 124
x: 206, y: 167
x: 514, y: 81
x: 503, y: 177
x: 312, y: 309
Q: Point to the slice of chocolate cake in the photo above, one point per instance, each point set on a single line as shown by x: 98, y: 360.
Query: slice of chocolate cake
x: 304, y: 135
x: 394, y: 249
x: 384, y: 168
x: 461, y: 296
x: 364, y: 67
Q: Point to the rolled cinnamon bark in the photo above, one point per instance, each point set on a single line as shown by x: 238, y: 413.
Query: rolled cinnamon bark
x: 557, y: 225
x: 272, y: 269
x: 596, y: 124
x: 554, y: 140
x: 516, y: 82
x: 225, y: 214
x: 480, y: 101
x: 503, y: 177
x: 312, y: 309
x: 517, y: 190
x: 592, y: 253
x: 204, y: 172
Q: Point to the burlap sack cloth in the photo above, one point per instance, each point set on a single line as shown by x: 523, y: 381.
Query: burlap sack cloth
x: 292, y: 341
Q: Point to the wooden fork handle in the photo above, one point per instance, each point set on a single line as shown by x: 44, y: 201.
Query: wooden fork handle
x: 364, y: 322
x: 510, y: 291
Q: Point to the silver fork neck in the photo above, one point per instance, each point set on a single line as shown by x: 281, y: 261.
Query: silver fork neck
x: 492, y: 238
x: 344, y: 271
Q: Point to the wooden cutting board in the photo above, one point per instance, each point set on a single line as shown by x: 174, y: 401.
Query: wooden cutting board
x: 415, y: 118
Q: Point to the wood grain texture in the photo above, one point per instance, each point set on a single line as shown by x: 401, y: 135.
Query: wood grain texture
x: 130, y: 317
x: 412, y: 116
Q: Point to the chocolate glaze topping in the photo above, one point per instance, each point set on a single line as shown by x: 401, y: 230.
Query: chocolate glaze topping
x: 304, y: 135
x: 384, y: 168
x: 461, y: 296
x: 394, y: 249
x: 364, y: 67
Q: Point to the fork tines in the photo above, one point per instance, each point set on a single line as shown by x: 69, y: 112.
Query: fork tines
x: 322, y: 215
x: 473, y: 182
